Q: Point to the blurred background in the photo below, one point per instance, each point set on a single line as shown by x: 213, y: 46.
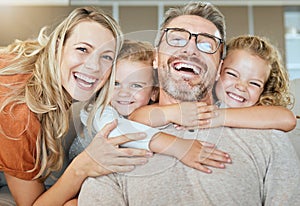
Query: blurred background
x: 277, y: 20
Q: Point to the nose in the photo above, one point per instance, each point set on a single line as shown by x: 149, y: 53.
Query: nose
x: 124, y: 92
x: 191, y: 48
x: 241, y: 85
x: 92, y: 62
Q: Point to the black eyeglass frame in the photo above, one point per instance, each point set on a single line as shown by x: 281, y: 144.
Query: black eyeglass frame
x: 219, y: 40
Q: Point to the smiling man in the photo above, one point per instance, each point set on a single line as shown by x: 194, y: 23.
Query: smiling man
x: 265, y: 168
x: 182, y: 74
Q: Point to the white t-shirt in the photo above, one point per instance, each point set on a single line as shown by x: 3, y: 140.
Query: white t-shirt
x: 124, y: 126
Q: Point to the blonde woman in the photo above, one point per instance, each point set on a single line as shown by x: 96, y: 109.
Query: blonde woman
x: 39, y: 79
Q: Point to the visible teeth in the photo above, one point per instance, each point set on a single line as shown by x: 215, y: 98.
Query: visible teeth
x: 85, y: 78
x: 124, y: 102
x: 183, y: 65
x: 238, y: 98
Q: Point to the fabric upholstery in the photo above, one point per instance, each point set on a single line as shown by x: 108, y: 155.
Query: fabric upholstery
x: 295, y: 134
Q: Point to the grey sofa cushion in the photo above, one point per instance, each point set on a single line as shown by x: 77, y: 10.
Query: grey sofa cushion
x: 5, y: 197
x: 295, y: 134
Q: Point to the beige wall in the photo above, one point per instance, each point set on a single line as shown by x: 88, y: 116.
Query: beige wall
x: 269, y: 22
x: 236, y: 20
x: 139, y: 22
x: 25, y: 22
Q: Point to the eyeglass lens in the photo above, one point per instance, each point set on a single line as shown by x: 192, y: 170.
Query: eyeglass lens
x: 180, y: 38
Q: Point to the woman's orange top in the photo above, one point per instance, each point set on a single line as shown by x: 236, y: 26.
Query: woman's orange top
x: 19, y: 129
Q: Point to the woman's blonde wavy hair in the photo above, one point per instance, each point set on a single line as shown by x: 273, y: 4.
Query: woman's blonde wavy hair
x: 276, y: 89
x: 43, y: 92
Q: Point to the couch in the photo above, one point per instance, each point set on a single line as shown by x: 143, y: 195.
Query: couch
x: 294, y: 135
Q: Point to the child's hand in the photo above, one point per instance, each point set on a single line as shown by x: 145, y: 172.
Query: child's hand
x: 191, y: 114
x: 217, y: 121
x: 199, y: 155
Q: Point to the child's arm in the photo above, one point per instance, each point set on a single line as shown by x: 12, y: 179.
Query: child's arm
x: 187, y: 114
x: 260, y: 117
x: 147, y: 114
x: 200, y: 115
x: 192, y: 153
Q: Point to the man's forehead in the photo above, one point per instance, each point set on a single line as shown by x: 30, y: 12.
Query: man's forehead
x: 194, y: 24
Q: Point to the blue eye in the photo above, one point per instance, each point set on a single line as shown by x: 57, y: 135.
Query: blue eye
x: 137, y: 86
x: 107, y: 57
x: 84, y: 50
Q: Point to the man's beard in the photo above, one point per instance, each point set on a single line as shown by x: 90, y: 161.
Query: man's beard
x: 181, y: 90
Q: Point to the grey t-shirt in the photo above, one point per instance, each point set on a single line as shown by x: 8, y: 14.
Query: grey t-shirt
x: 265, y: 171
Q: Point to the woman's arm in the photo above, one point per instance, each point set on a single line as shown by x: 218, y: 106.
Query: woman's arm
x: 24, y: 192
x: 187, y: 114
x: 73, y: 202
x: 68, y: 185
x: 261, y: 117
x: 101, y: 157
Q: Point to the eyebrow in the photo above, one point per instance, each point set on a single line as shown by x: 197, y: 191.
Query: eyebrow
x: 109, y: 51
x: 91, y: 46
x: 85, y: 44
x: 231, y: 69
x: 263, y: 82
x: 145, y: 83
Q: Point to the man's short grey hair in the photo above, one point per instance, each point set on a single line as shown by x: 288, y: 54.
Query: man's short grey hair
x: 203, y: 9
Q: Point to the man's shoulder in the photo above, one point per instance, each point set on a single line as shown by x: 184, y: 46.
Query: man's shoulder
x: 228, y: 131
x: 265, y: 137
x: 254, y: 132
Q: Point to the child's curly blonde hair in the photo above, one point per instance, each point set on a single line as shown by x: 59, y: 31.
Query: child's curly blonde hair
x: 276, y: 89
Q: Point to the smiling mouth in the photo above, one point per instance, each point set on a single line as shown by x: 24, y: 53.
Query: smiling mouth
x: 84, y: 80
x: 184, y: 67
x: 125, y: 102
x: 236, y: 97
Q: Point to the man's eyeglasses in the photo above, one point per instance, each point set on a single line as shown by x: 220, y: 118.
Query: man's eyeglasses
x: 206, y: 43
